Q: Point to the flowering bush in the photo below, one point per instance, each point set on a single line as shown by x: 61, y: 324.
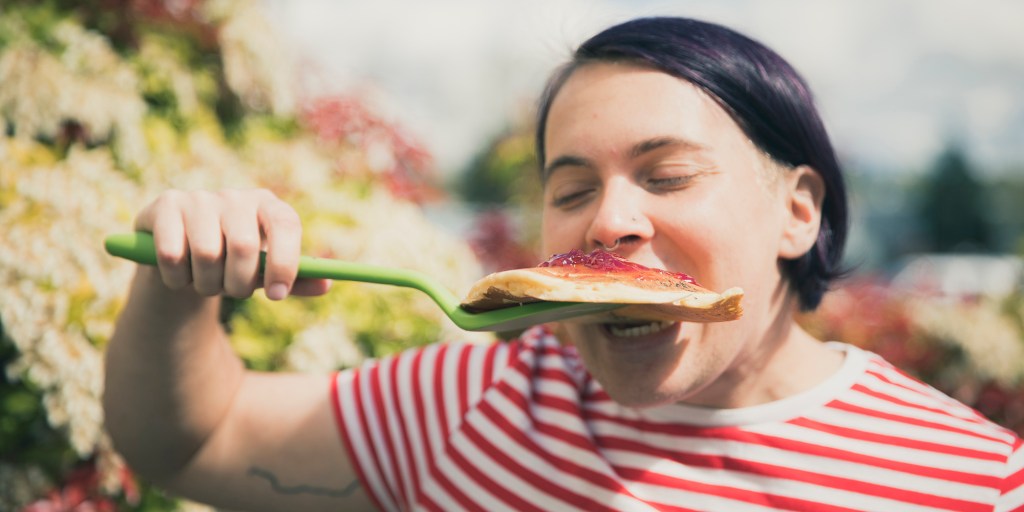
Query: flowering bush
x: 100, y: 113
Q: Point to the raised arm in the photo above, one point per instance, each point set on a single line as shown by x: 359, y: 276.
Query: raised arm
x: 179, y: 404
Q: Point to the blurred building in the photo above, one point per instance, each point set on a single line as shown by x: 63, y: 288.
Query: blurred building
x: 961, y: 275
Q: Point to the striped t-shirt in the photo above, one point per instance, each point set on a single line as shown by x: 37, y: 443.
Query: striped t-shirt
x: 521, y: 426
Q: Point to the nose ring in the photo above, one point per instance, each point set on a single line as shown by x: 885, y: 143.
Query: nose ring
x: 613, y: 247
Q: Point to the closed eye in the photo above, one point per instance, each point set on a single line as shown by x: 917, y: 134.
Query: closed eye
x: 670, y: 183
x: 571, y: 199
x: 674, y: 180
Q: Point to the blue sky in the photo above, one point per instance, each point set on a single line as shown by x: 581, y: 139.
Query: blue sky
x: 895, y: 79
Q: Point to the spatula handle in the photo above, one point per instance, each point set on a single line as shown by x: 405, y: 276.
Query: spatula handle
x: 140, y: 248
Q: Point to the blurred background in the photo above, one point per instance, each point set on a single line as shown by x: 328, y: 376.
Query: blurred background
x: 401, y: 131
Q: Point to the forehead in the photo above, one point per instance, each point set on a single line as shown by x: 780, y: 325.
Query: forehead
x: 617, y: 103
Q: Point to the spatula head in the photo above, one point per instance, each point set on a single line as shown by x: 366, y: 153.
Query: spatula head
x: 526, y: 315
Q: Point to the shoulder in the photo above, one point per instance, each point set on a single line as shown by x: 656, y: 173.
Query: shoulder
x: 890, y: 396
x: 462, y: 370
x: 529, y: 347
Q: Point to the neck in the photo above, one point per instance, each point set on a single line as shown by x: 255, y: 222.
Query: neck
x: 785, y: 361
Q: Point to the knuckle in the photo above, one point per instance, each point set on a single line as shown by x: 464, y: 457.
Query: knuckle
x: 206, y: 255
x: 238, y: 290
x: 231, y: 195
x: 244, y: 246
x: 285, y: 218
x: 170, y: 257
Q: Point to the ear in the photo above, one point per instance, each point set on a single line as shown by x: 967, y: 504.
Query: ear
x: 805, y: 193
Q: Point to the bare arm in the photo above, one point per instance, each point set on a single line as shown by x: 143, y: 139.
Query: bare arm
x: 179, y: 404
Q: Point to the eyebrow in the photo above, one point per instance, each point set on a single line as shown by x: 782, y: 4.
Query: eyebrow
x: 660, y: 142
x: 638, y: 149
x: 564, y: 161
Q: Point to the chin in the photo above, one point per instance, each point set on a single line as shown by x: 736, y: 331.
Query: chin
x: 639, y: 398
x: 641, y: 371
x: 631, y: 391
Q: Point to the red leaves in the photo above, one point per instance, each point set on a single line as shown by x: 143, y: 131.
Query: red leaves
x: 81, y: 492
x: 402, y: 164
x: 495, y: 241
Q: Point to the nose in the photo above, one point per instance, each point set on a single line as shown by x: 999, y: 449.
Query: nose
x: 621, y: 221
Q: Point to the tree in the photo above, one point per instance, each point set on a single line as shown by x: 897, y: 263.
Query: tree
x: 953, y: 207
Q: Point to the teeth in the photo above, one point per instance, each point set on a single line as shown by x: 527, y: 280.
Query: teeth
x: 623, y: 331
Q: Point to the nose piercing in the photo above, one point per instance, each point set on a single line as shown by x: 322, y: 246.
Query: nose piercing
x: 613, y: 247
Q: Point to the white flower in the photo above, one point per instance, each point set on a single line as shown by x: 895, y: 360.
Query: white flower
x: 87, y: 83
x: 992, y: 343
x: 322, y: 348
x: 256, y: 66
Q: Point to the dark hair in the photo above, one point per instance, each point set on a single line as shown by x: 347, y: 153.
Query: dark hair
x: 765, y: 96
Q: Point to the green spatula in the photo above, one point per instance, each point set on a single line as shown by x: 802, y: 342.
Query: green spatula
x: 139, y: 248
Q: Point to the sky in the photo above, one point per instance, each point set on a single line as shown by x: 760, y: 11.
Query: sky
x: 895, y: 80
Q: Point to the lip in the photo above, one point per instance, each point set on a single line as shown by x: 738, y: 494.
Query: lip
x: 631, y: 344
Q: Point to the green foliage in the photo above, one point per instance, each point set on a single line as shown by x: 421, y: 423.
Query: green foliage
x: 504, y: 174
x: 25, y: 436
x: 381, y: 320
x: 35, y: 20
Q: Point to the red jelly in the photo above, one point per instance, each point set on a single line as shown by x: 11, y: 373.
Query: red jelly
x: 609, y: 262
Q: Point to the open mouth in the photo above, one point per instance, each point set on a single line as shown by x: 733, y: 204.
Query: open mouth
x: 633, y: 329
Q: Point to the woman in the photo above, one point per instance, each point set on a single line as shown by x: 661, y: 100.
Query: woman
x: 675, y: 143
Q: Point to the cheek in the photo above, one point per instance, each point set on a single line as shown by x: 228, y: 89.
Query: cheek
x: 548, y: 233
x: 724, y: 246
x: 697, y: 229
x: 561, y: 233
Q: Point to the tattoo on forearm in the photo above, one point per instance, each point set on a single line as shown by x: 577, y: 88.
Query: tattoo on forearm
x: 271, y: 478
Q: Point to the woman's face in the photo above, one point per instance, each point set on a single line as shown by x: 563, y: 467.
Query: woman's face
x: 641, y: 157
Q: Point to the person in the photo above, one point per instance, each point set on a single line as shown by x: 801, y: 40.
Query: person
x: 676, y: 143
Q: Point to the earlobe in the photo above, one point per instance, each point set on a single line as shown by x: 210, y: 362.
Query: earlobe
x: 805, y: 193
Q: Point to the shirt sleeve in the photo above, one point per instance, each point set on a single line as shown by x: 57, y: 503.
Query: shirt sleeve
x: 1011, y: 498
x: 395, y: 414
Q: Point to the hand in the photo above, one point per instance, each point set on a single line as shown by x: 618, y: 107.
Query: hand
x: 211, y: 241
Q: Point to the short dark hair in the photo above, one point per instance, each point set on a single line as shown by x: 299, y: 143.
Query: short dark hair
x: 762, y: 93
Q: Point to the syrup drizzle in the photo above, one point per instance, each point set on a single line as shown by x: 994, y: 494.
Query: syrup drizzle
x: 609, y: 262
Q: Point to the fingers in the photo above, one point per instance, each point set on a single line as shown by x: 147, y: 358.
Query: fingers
x: 205, y: 243
x: 212, y: 241
x: 283, y: 233
x: 164, y: 220
x: 242, y: 241
x: 311, y: 287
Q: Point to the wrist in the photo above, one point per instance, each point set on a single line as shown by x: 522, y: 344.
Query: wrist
x: 150, y: 291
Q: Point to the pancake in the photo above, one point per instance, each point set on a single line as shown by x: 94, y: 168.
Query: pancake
x: 646, y: 293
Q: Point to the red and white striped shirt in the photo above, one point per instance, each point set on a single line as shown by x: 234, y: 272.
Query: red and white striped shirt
x: 521, y: 426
